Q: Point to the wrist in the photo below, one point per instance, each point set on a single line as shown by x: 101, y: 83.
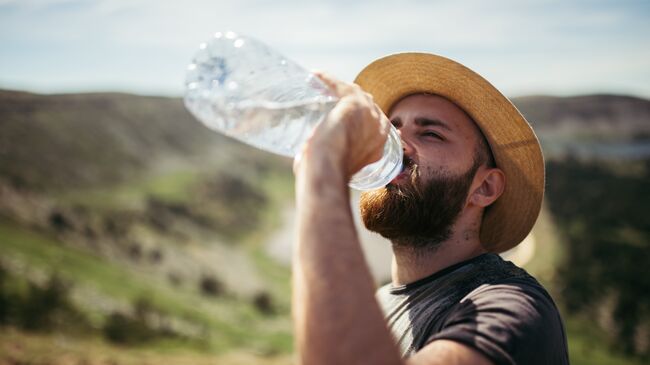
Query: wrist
x: 318, y: 169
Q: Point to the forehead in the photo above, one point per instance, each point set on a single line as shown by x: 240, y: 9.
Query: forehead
x: 433, y: 107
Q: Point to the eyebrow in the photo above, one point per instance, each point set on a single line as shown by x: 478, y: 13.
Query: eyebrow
x: 427, y: 122
x: 423, y: 122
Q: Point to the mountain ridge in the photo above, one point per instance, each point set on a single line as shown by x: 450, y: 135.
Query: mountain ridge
x: 600, y: 116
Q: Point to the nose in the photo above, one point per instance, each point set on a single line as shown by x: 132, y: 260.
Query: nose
x: 406, y: 146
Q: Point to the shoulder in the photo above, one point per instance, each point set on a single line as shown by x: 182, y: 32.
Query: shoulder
x: 513, y: 321
x: 522, y: 298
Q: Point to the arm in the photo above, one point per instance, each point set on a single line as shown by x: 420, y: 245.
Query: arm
x: 337, y: 319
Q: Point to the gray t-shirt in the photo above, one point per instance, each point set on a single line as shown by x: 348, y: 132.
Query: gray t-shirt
x: 486, y: 303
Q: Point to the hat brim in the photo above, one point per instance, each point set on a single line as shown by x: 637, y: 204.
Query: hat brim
x: 513, y: 143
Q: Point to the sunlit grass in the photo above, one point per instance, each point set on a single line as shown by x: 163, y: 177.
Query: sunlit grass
x: 279, y: 188
x: 40, y: 349
x: 172, y: 186
x: 226, y: 323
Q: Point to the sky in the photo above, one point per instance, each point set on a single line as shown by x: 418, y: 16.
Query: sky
x: 526, y: 47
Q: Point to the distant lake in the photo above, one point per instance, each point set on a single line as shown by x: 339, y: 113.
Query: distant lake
x: 637, y: 150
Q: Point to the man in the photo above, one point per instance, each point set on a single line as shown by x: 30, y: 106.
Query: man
x: 472, y: 186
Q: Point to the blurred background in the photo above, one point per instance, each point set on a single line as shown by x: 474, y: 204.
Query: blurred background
x: 131, y: 234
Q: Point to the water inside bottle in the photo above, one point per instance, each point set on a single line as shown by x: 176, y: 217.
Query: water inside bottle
x: 277, y: 127
x: 238, y: 86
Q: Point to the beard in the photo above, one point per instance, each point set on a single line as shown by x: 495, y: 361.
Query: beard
x: 414, y: 214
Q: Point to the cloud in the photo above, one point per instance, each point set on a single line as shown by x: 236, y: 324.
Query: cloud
x: 148, y: 37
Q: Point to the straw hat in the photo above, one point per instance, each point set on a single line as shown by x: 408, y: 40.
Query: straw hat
x: 514, y: 145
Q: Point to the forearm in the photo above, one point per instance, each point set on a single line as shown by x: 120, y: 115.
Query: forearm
x: 337, y: 318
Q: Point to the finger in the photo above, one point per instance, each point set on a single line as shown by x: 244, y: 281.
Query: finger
x: 324, y: 76
x: 376, y: 153
x: 296, y: 162
x: 339, y: 87
x: 384, y: 123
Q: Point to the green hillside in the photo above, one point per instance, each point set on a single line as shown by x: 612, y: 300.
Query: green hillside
x: 125, y: 221
x: 132, y: 234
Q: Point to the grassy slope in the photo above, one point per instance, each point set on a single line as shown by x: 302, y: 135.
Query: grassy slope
x: 226, y: 323
x: 38, y: 349
x: 97, y: 144
x: 45, y: 252
x: 111, y: 154
x: 59, y: 142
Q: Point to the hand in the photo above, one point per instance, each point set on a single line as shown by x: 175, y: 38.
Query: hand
x: 353, y: 134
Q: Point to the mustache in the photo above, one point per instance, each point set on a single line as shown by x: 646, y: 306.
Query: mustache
x: 413, y: 186
x: 420, y: 211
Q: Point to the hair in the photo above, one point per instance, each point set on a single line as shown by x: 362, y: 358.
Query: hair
x: 483, y: 151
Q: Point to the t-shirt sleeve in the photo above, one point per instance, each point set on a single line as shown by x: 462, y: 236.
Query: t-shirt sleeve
x: 514, y: 322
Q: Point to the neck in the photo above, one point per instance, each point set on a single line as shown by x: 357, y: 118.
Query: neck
x: 411, y: 264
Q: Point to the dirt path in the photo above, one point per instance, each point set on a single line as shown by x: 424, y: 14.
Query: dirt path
x: 376, y: 248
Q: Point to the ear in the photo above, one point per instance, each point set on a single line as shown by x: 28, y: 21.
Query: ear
x: 488, y: 186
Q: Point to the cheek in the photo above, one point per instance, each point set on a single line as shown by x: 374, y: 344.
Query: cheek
x: 446, y: 163
x: 445, y: 159
x: 461, y: 157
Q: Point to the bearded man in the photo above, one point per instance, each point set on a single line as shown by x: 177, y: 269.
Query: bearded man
x: 472, y: 187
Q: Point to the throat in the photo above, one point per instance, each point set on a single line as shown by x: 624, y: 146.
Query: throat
x: 414, y: 262
x: 416, y: 245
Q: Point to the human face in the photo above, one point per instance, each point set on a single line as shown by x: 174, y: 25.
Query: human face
x: 438, y: 136
x: 420, y: 206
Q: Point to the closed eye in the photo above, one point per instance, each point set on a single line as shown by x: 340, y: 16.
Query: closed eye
x: 433, y: 135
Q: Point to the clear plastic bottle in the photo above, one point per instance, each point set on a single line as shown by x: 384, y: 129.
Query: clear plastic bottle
x: 238, y: 86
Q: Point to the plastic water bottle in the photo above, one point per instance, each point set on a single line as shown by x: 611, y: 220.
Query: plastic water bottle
x: 238, y: 86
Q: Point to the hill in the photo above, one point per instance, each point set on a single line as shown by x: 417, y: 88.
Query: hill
x: 125, y: 222
x: 590, y: 126
x: 62, y: 142
x: 600, y: 117
x: 59, y: 142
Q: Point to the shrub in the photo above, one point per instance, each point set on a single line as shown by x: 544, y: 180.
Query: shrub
x: 126, y: 330
x: 603, y: 217
x: 5, y: 297
x: 135, y: 329
x: 39, y: 308
x: 49, y: 307
x: 211, y: 286
x: 264, y: 303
